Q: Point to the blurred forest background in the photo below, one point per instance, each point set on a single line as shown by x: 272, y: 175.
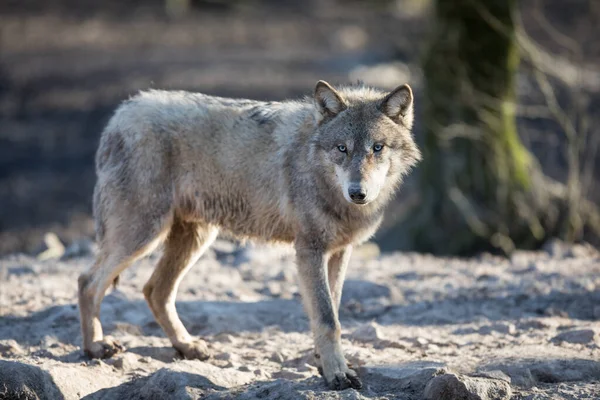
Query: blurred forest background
x: 66, y: 64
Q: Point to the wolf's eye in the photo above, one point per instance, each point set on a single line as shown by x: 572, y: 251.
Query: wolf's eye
x: 342, y: 148
x: 377, y: 148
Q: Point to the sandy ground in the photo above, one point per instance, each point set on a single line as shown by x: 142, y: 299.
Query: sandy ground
x: 531, y: 320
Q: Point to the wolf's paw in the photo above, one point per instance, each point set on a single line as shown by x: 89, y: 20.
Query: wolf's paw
x: 194, y: 350
x: 344, y: 380
x: 105, y: 348
x: 320, y: 367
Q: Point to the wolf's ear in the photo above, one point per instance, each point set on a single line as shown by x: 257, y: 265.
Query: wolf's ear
x: 398, y: 105
x: 329, y: 102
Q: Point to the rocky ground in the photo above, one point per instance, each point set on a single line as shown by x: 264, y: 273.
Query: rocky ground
x: 414, y: 326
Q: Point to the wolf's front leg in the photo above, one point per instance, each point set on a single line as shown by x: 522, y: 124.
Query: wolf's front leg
x: 312, y: 267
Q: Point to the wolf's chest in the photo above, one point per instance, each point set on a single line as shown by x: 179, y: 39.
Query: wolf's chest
x: 353, y: 232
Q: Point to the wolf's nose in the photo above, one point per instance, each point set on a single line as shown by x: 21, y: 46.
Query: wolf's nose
x: 357, y: 194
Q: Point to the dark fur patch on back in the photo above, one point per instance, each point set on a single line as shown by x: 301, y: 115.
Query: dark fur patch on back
x: 264, y: 115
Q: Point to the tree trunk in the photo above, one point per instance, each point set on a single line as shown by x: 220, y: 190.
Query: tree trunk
x: 480, y: 189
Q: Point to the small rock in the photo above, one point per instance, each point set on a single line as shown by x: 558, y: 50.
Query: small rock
x: 217, y: 376
x: 258, y: 372
x: 520, y: 375
x: 276, y: 357
x: 369, y: 332
x: 53, y: 247
x: 411, y: 377
x: 451, y: 386
x: 125, y: 361
x: 580, y: 336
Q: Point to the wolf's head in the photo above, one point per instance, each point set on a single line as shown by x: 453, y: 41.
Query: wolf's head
x: 363, y: 139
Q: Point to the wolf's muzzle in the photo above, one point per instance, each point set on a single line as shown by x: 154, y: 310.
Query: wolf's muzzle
x: 357, y: 194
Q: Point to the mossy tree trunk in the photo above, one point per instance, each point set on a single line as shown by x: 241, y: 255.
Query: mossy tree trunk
x: 480, y: 189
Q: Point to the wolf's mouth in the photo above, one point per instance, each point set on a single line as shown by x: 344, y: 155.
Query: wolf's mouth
x: 360, y: 202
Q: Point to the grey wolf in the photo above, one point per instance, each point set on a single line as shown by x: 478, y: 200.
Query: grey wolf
x: 176, y: 168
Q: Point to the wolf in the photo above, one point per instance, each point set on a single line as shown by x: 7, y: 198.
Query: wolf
x: 175, y: 168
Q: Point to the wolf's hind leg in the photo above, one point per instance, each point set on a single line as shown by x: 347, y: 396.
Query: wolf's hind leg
x: 115, y: 255
x: 92, y: 287
x: 184, y: 246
